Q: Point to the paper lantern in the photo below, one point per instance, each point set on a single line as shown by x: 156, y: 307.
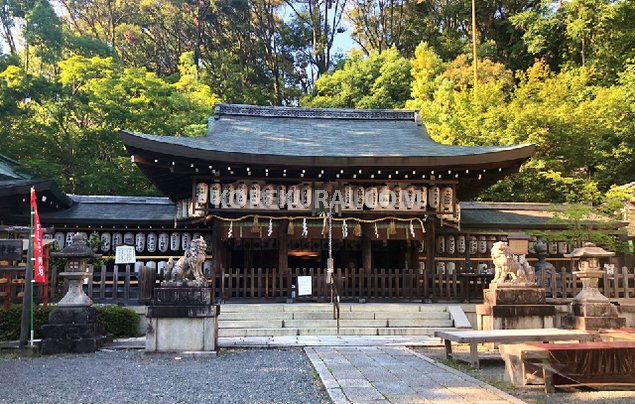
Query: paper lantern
x: 460, y: 244
x: 215, y: 191
x: 450, y: 267
x: 424, y: 198
x: 106, y: 241
x: 228, y: 196
x: 281, y: 196
x: 440, y: 245
x: 185, y: 241
x: 358, y: 199
x: 450, y: 243
x: 60, y: 240
x: 140, y: 242
x: 175, y: 241
x: 268, y: 196
x: 294, y: 196
x: 447, y: 200
x: 473, y: 245
x: 240, y: 195
x: 553, y: 248
x: 348, y: 197
x: 254, y: 195
x: 371, y: 198
x: 434, y: 195
x: 306, y: 196
x: 117, y: 240
x: 384, y: 197
x: 410, y: 198
x: 151, y: 242
x: 128, y: 238
x: 482, y: 245
x: 201, y: 192
x: 164, y: 242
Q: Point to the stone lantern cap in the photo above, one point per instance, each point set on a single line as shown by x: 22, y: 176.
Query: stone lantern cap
x: 589, y: 251
x: 77, y: 249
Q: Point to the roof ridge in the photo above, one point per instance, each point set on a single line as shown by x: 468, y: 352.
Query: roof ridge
x: 326, y: 113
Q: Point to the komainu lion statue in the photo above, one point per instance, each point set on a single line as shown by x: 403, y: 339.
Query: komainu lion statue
x: 190, y: 264
x: 507, y: 266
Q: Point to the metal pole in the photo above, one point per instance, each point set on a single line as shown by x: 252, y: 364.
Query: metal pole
x: 474, y: 61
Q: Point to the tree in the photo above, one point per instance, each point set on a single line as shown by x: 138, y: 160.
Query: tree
x: 377, y: 24
x: 381, y: 80
x: 44, y: 33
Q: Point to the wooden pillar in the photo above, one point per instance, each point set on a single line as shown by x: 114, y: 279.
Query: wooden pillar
x: 283, y: 246
x: 367, y: 253
x: 414, y: 256
x: 218, y: 256
x: 430, y: 244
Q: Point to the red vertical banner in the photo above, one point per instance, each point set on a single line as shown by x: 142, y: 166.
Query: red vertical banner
x: 38, y: 260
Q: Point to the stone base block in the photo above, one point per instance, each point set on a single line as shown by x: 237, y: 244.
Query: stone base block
x: 72, y: 330
x: 514, y: 296
x: 199, y: 334
x: 593, y: 323
x: 489, y: 322
x: 182, y: 295
x: 583, y: 309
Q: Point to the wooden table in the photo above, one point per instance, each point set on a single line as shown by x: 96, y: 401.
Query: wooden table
x: 475, y: 337
x: 597, y: 364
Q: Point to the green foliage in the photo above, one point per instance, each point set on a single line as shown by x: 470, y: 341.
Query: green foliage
x: 119, y: 321
x: 582, y: 224
x: 381, y: 80
x: 10, y: 321
x: 44, y: 32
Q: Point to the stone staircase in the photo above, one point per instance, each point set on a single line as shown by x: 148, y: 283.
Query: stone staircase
x: 306, y: 319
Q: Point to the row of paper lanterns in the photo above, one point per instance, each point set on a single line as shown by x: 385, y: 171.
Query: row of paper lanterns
x: 143, y: 242
x: 256, y: 195
x: 452, y: 244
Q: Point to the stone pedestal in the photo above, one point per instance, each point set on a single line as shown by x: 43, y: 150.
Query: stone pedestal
x: 182, y: 319
x: 513, y: 307
x: 590, y: 309
x: 72, y: 330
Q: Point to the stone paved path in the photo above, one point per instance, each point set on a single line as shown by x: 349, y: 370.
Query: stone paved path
x: 392, y: 374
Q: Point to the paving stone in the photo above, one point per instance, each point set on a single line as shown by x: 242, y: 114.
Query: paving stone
x: 354, y: 383
x: 395, y: 388
x: 337, y: 395
x: 356, y: 394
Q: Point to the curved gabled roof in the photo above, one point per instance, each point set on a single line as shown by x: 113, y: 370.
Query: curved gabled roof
x: 326, y: 137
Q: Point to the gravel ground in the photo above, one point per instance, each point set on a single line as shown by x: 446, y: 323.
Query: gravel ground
x: 492, y: 371
x: 234, y: 376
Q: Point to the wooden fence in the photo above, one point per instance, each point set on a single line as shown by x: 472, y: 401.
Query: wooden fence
x: 121, y: 284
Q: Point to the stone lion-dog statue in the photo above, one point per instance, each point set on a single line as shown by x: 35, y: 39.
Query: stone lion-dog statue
x: 507, y: 266
x: 190, y: 264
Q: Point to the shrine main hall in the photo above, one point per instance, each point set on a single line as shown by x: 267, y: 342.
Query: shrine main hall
x: 252, y: 182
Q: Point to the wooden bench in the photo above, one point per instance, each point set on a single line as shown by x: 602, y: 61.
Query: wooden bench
x: 475, y: 337
x: 595, y: 364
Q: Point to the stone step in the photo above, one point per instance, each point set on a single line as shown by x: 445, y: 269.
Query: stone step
x: 328, y: 307
x: 257, y: 332
x: 333, y: 323
x: 387, y: 315
x: 251, y: 324
x: 420, y: 323
x: 282, y: 332
x: 224, y: 316
x: 382, y: 315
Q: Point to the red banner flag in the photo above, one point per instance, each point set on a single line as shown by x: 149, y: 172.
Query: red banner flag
x: 38, y: 261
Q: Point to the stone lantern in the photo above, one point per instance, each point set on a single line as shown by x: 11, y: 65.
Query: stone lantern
x: 591, y: 309
x: 77, y: 256
x: 73, y: 327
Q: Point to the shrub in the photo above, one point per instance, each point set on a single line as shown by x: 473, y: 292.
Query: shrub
x: 119, y: 321
x: 10, y: 321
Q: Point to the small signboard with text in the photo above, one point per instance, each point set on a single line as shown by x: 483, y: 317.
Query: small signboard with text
x: 11, y: 250
x: 125, y: 254
x: 304, y: 286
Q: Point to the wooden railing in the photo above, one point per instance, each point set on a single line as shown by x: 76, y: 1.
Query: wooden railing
x: 120, y: 284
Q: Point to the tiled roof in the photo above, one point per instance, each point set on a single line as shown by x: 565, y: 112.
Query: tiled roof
x: 106, y: 209
x: 288, y: 131
x: 7, y: 169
